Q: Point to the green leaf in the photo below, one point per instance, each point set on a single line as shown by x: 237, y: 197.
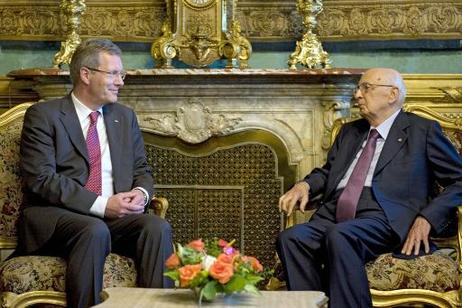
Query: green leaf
x: 190, y: 256
x: 251, y: 289
x: 200, y: 279
x: 209, y: 291
x: 174, y: 275
x: 237, y: 283
x: 253, y: 279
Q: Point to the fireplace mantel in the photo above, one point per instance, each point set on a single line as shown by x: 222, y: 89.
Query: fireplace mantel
x: 297, y: 106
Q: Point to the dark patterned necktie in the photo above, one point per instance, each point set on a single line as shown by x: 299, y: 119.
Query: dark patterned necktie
x: 94, y: 153
x: 348, y: 200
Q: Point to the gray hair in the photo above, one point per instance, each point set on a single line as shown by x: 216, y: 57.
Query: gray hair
x: 87, y: 54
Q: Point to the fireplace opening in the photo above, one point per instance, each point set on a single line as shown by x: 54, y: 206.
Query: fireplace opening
x: 226, y: 187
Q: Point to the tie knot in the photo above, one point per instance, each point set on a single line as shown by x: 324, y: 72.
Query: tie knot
x: 374, y: 134
x: 94, y: 117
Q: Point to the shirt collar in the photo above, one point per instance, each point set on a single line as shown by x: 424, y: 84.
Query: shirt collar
x: 385, y: 126
x: 83, y: 111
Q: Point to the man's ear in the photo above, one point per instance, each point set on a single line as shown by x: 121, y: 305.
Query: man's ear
x: 394, y: 95
x: 84, y: 75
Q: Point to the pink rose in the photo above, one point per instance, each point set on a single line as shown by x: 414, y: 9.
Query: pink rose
x: 197, y: 245
x: 222, y: 243
x: 256, y: 265
x: 225, y: 258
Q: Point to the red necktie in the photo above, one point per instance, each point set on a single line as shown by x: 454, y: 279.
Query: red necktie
x: 348, y: 200
x: 94, y: 153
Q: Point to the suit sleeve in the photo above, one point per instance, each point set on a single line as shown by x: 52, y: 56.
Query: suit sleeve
x: 446, y: 165
x: 142, y: 175
x: 39, y: 167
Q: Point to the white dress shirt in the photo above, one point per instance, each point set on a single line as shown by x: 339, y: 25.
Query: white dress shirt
x: 383, y: 129
x: 98, y: 207
x: 107, y: 188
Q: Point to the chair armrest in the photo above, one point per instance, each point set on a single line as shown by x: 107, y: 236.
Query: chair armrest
x: 459, y: 235
x: 159, y: 205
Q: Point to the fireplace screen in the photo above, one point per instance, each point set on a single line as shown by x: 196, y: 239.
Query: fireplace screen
x: 226, y: 187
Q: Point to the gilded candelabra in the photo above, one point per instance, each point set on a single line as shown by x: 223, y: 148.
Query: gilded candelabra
x: 309, y: 51
x: 73, y: 11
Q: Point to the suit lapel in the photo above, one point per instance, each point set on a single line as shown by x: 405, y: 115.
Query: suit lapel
x: 71, y: 123
x: 114, y: 132
x: 397, y: 137
x: 353, y: 142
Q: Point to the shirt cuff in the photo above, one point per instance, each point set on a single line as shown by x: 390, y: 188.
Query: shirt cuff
x: 145, y: 193
x: 98, y: 207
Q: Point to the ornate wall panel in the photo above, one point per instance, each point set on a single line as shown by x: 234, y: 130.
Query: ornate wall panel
x: 140, y: 21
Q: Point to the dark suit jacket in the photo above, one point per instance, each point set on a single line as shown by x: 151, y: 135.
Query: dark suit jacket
x: 414, y: 156
x: 55, y: 165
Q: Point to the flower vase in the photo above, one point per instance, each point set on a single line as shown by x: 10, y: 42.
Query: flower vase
x: 197, y: 296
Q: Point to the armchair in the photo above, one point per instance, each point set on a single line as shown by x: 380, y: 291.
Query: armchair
x: 429, y: 280
x: 30, y: 280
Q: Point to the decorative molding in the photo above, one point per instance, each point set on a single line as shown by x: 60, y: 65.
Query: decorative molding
x: 141, y: 21
x: 193, y: 122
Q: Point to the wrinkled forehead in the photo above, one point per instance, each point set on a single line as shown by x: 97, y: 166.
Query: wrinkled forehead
x: 378, y: 76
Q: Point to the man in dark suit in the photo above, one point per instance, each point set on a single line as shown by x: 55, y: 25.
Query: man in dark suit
x: 87, y: 181
x: 377, y: 195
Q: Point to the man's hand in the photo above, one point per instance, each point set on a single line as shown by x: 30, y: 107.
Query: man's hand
x: 298, y: 193
x: 125, y: 203
x: 419, y: 232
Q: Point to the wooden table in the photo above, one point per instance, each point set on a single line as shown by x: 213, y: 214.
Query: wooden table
x: 171, y: 298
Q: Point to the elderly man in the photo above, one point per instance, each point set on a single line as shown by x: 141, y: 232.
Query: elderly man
x: 87, y: 180
x: 377, y: 187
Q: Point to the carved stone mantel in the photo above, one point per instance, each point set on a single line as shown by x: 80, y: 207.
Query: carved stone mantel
x: 297, y: 106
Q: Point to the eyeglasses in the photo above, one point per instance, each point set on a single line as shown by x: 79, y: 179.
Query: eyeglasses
x: 112, y: 75
x: 366, y: 86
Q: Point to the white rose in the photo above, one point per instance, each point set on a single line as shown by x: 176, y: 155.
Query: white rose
x: 207, y: 262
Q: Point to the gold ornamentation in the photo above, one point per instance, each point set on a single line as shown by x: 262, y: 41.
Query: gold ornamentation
x: 193, y: 31
x: 453, y: 95
x: 163, y: 49
x: 309, y: 51
x: 236, y: 47
x: 193, y: 123
x: 73, y: 11
x: 264, y: 20
x: 332, y: 111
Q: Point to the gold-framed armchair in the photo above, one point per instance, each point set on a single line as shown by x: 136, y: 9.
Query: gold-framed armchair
x: 434, y: 279
x: 428, y: 280
x: 30, y: 280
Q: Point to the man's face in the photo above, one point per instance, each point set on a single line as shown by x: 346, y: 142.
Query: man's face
x: 105, y: 84
x: 374, y: 95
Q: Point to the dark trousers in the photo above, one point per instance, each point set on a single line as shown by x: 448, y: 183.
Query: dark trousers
x: 328, y: 256
x: 85, y: 241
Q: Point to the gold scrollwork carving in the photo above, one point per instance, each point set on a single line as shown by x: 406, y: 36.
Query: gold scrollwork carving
x: 73, y: 11
x: 309, y: 51
x: 236, y: 47
x: 385, y: 20
x: 193, y: 30
x: 453, y: 95
x: 265, y: 20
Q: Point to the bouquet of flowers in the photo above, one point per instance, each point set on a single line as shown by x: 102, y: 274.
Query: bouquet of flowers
x: 213, y: 267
